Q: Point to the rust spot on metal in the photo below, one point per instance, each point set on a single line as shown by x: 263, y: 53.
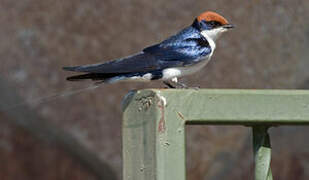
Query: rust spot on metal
x: 181, y: 116
x: 161, y: 127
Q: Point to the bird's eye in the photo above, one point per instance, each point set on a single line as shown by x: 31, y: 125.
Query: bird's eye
x: 214, y: 23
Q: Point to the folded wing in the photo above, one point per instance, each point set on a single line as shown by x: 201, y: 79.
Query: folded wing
x: 141, y: 62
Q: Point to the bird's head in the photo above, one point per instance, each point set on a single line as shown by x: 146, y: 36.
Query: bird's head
x: 211, y: 24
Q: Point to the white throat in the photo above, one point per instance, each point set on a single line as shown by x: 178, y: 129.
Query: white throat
x: 213, y: 34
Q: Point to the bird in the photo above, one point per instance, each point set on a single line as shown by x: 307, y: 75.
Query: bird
x: 181, y: 54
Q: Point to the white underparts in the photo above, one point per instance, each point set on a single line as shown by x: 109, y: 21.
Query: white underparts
x: 145, y: 77
x: 171, y: 73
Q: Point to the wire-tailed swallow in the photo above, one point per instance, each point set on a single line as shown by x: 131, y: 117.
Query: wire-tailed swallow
x: 182, y: 54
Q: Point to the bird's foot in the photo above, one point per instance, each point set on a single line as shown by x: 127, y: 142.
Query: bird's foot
x: 178, y: 85
x: 169, y: 85
x: 182, y: 85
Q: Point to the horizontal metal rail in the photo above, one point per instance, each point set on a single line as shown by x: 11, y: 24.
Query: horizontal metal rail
x: 154, y: 125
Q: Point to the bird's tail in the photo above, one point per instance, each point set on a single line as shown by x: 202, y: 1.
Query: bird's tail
x: 102, y: 77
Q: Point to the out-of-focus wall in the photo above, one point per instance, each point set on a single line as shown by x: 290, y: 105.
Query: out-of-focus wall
x: 267, y: 49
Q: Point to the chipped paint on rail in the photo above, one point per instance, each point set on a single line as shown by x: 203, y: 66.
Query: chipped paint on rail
x: 161, y: 127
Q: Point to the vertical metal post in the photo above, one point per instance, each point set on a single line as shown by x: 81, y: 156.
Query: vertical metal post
x: 262, y: 153
x: 153, y: 139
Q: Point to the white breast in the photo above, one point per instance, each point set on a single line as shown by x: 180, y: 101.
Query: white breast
x: 170, y: 73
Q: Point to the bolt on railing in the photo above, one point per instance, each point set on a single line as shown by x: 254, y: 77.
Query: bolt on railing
x: 154, y: 125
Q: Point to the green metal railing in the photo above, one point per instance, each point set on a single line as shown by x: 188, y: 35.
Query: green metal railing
x: 154, y: 125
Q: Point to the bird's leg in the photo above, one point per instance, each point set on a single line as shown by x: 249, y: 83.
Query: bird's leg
x: 179, y: 84
x: 169, y: 85
x: 182, y: 85
x: 176, y: 84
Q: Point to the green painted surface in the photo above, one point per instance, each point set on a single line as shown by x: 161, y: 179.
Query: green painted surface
x: 152, y: 147
x: 154, y: 123
x: 262, y: 153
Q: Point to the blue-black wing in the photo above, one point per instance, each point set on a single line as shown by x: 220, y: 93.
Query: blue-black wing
x: 182, y: 49
x: 141, y: 62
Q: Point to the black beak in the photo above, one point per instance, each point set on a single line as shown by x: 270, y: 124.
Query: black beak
x: 228, y: 26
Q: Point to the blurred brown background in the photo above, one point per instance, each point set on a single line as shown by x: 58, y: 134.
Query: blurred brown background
x: 48, y: 133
